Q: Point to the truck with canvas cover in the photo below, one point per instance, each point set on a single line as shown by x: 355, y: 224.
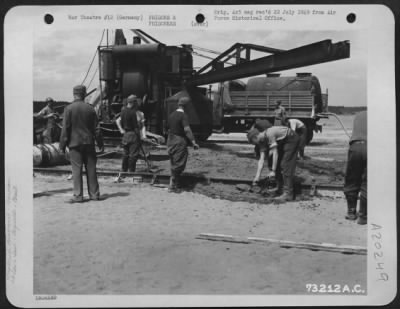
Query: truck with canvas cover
x: 238, y: 104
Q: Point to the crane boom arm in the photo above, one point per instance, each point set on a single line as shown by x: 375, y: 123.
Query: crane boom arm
x: 320, y: 52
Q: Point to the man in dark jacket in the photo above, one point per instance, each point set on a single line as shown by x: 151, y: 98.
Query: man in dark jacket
x: 179, y: 137
x: 356, y: 172
x: 131, y: 142
x: 79, y: 134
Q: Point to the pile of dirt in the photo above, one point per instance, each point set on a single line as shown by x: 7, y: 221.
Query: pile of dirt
x: 243, y: 193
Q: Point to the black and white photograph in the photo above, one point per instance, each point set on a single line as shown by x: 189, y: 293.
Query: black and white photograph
x: 203, y: 160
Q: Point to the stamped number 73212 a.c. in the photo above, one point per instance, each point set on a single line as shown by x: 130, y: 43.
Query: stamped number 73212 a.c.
x: 334, y: 288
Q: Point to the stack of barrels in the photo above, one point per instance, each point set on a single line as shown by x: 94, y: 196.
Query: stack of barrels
x: 49, y: 155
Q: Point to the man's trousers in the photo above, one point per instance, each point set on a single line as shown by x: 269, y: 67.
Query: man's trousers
x: 356, y: 175
x: 287, y: 153
x: 84, y: 155
x: 178, y: 154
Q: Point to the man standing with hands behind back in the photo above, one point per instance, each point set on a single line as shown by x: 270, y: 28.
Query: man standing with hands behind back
x: 131, y: 141
x: 179, y: 137
x: 79, y: 134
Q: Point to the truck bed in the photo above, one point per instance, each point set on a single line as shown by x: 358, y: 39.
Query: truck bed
x: 253, y: 104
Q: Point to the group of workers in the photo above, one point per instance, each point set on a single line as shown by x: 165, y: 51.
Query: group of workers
x: 80, y: 133
x: 287, y: 138
x: 131, y: 125
x: 283, y: 141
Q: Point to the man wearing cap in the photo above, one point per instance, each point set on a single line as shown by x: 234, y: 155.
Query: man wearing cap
x: 280, y: 114
x: 52, y: 132
x: 79, y: 134
x: 356, y: 172
x: 301, y: 130
x: 131, y: 141
x: 179, y: 137
x: 283, y: 143
x: 260, y: 125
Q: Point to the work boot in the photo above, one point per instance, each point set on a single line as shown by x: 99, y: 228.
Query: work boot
x: 271, y: 191
x: 351, y: 209
x: 362, y: 214
x: 98, y: 198
x: 76, y: 200
x: 285, y: 197
x: 274, y: 186
x: 351, y: 214
x: 178, y: 181
x: 172, y: 184
x: 119, y: 178
x: 362, y: 220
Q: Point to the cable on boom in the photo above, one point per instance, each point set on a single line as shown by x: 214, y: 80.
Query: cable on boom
x: 94, y: 56
x: 95, y: 72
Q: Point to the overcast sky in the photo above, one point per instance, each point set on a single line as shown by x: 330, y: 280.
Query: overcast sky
x: 62, y: 58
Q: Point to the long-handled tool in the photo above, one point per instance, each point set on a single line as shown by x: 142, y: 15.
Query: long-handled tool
x: 148, y: 163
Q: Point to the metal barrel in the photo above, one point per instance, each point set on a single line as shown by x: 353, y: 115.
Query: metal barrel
x: 49, y: 155
x: 37, y: 156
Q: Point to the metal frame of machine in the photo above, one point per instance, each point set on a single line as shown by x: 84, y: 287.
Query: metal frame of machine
x: 161, y: 74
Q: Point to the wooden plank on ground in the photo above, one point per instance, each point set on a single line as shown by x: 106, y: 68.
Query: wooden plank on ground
x: 345, y: 249
x: 222, y: 237
x: 39, y: 194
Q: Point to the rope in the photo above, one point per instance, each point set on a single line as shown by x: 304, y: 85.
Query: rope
x: 201, y: 55
x: 207, y: 57
x: 334, y: 115
x: 94, y: 56
x: 93, y: 77
x: 206, y: 50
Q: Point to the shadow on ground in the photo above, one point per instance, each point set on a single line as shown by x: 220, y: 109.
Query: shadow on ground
x: 52, y: 192
x: 115, y: 194
x: 324, y: 143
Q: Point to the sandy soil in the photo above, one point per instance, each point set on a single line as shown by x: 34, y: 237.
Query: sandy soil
x: 142, y: 239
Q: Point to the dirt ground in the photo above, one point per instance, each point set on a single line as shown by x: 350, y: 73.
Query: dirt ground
x: 142, y: 239
x: 325, y: 163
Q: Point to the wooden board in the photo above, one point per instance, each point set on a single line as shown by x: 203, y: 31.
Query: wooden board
x: 345, y: 249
